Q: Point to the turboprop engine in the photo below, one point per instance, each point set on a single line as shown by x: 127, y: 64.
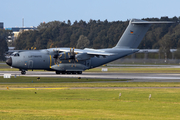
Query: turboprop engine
x: 66, y: 56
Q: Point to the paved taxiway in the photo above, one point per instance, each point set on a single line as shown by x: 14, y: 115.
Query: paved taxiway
x: 134, y: 77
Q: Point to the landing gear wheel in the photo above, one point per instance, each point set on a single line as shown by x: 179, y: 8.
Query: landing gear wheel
x: 73, y: 72
x: 79, y: 72
x: 23, y: 72
x: 68, y: 72
x: 58, y: 72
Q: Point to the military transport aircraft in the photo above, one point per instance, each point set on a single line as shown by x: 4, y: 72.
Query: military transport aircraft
x: 74, y: 61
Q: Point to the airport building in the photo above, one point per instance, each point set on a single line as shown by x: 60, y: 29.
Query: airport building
x: 16, y: 30
x: 1, y: 25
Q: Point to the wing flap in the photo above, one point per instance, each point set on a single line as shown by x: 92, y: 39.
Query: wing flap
x: 100, y: 53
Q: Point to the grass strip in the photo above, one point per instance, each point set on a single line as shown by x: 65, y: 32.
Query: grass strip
x: 138, y: 70
x: 92, y: 104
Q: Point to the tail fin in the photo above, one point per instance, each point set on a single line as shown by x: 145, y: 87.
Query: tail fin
x: 135, y: 32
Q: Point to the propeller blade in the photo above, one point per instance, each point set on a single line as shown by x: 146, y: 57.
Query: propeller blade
x: 73, y: 50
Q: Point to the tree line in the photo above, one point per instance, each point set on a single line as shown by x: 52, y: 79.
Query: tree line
x: 3, y: 43
x: 98, y: 34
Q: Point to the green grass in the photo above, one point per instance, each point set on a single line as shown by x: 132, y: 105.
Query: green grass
x: 138, y: 70
x: 21, y: 79
x: 5, y: 67
x: 102, y: 104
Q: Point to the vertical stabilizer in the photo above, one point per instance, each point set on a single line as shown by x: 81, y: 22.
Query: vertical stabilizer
x: 133, y: 34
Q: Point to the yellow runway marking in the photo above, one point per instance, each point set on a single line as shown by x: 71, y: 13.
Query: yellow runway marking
x: 36, y: 88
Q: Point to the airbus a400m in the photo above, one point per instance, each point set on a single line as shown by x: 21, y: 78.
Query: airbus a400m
x: 74, y: 61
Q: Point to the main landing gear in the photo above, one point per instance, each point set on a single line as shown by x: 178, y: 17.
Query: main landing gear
x: 23, y: 72
x: 68, y: 72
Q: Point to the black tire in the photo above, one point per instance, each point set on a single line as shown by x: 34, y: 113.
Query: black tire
x: 73, y: 72
x: 79, y: 72
x: 68, y: 72
x: 23, y: 72
x: 58, y: 72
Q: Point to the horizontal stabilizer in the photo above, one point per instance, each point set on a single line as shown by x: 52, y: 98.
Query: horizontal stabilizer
x: 151, y: 22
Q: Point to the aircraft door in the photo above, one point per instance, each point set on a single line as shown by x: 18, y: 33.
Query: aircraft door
x: 30, y: 64
x: 88, y: 63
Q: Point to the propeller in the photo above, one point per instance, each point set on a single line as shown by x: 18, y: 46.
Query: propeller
x: 56, y: 56
x: 70, y: 56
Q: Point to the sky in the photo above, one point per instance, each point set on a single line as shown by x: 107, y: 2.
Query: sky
x: 35, y: 12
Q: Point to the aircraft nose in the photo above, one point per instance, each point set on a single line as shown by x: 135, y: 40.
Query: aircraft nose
x: 9, y: 61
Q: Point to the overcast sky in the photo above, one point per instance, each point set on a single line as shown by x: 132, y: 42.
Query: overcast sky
x: 36, y: 11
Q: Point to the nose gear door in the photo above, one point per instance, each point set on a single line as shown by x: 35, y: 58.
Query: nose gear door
x: 30, y: 64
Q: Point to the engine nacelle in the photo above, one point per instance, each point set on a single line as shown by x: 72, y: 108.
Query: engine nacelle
x: 82, y: 56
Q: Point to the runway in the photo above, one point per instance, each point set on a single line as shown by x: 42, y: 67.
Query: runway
x: 133, y: 77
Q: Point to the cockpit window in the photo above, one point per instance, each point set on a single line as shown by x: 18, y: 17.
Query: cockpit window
x: 15, y: 54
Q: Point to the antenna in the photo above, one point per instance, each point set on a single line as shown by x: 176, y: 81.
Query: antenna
x: 22, y: 22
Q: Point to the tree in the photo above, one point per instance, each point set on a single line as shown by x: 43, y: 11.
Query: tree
x: 69, y: 22
x: 3, y: 45
x: 101, y: 34
x: 82, y: 42
x: 177, y: 54
x: 165, y: 46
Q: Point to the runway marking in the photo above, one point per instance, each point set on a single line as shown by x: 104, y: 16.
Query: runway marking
x: 135, y: 77
x: 37, y: 88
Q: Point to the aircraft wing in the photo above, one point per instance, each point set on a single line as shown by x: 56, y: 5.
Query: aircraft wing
x: 97, y: 52
x: 86, y: 50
